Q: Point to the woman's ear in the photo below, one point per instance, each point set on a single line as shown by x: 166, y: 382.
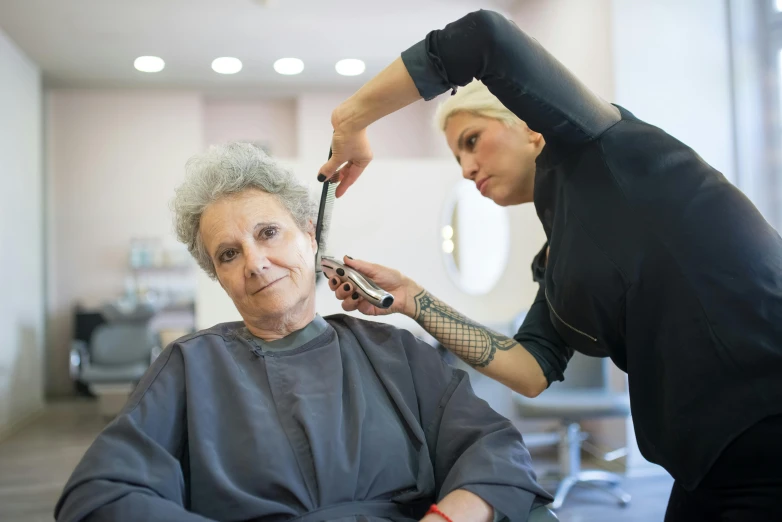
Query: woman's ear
x: 311, y: 233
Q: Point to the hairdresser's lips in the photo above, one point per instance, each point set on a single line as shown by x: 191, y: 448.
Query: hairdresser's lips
x: 481, y: 185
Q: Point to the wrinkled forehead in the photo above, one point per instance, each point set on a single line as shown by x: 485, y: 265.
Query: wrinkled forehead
x: 239, y: 214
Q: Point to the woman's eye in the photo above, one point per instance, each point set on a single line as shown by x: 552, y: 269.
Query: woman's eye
x: 268, y: 233
x: 471, y: 141
x: 228, y: 255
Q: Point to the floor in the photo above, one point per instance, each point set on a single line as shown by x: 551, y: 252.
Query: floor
x: 36, y: 461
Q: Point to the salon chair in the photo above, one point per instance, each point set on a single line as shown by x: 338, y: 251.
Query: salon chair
x: 118, y: 350
x: 584, y: 394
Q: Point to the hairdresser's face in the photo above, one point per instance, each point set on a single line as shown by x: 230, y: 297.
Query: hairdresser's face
x: 263, y: 260
x: 500, y: 159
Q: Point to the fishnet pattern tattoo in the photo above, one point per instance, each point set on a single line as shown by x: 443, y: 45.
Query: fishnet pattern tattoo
x: 468, y: 340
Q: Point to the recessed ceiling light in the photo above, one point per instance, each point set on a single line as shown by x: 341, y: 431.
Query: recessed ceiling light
x: 150, y: 64
x: 227, y: 65
x: 350, y: 67
x: 289, y: 66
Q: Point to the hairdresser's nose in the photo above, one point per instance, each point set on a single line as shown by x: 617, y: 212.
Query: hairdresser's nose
x: 469, y: 167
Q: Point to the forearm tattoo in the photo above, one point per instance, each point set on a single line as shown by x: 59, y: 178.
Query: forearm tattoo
x: 468, y: 340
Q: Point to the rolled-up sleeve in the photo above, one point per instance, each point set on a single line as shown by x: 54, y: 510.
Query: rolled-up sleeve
x: 538, y: 336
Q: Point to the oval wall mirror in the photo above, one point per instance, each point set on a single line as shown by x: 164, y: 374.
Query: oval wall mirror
x: 475, y: 239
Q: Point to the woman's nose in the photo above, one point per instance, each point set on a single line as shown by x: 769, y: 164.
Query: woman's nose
x: 256, y: 261
x: 469, y: 168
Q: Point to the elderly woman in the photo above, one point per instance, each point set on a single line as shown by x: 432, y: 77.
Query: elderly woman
x: 286, y: 415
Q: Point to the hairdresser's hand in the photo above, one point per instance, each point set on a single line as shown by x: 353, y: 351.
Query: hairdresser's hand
x: 350, y: 147
x: 392, y: 281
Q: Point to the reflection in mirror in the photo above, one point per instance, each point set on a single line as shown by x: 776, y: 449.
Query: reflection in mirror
x: 475, y: 239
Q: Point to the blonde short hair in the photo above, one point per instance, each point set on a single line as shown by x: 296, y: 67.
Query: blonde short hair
x: 476, y: 99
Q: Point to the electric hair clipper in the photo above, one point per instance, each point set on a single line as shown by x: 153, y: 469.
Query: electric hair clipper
x: 365, y: 287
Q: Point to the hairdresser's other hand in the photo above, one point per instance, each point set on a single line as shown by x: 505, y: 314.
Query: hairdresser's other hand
x: 392, y: 281
x: 349, y: 147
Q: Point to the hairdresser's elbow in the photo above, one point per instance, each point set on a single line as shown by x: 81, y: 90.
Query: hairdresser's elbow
x: 532, y: 387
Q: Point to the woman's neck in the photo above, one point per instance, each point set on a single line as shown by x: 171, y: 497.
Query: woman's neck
x: 275, y: 328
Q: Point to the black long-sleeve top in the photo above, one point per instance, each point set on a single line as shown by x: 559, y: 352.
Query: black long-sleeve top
x: 655, y: 259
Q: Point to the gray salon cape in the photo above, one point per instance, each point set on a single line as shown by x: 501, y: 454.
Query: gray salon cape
x: 344, y: 420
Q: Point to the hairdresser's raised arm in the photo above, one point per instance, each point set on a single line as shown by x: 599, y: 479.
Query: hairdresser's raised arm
x: 387, y: 92
x: 483, y: 45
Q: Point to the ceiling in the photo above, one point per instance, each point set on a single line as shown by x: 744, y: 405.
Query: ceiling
x: 92, y: 43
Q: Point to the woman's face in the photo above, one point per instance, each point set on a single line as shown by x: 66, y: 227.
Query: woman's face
x: 263, y: 260
x: 500, y: 159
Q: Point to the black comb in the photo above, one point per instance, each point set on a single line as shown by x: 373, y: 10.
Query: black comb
x: 322, y: 227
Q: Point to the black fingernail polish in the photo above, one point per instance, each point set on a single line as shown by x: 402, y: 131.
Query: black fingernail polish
x: 346, y: 287
x: 341, y: 272
x: 334, y: 281
x: 349, y: 257
x: 321, y: 177
x: 355, y: 295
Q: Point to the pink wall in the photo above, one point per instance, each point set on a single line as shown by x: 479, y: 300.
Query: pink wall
x: 113, y: 158
x: 579, y: 34
x: 404, y: 134
x: 271, y: 122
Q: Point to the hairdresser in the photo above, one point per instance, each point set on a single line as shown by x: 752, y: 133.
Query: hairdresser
x: 653, y: 258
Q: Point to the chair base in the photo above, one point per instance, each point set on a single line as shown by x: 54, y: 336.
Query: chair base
x: 603, y: 480
x: 572, y: 474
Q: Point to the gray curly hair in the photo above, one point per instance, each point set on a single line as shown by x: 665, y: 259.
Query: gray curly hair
x: 230, y: 169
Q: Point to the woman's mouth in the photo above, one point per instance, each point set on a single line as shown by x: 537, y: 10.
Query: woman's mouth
x: 481, y: 185
x: 269, y: 285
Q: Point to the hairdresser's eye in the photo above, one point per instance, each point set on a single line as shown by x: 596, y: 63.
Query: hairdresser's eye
x: 269, y: 232
x: 228, y: 255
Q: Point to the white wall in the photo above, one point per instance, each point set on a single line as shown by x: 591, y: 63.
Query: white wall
x: 114, y: 160
x: 21, y: 234
x: 672, y: 69
x: 754, y: 165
